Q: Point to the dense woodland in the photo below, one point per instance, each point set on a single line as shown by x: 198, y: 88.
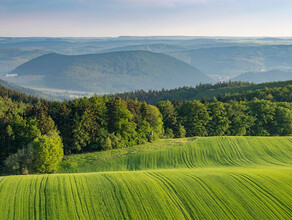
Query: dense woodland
x: 35, y: 134
x: 201, y: 91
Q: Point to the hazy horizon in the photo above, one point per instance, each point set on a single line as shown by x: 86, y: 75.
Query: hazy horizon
x: 153, y: 36
x: 113, y: 18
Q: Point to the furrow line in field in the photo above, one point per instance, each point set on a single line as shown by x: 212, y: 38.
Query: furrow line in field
x: 46, y: 205
x: 83, y: 201
x: 261, y: 202
x: 39, y: 195
x: 172, y: 194
x: 15, y: 198
x: 86, y: 189
x: 214, y: 198
x: 130, y: 189
x: 116, y: 193
x: 75, y: 200
x: 265, y: 192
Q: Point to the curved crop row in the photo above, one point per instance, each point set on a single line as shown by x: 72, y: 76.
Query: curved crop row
x: 203, y: 152
x: 207, y: 193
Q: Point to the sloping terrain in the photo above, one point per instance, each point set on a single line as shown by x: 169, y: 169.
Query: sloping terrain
x: 10, y: 58
x: 111, y: 72
x: 227, y: 178
x: 27, y: 91
x: 203, y: 152
x: 200, y: 92
x: 166, y: 194
x: 268, y: 76
x: 228, y: 62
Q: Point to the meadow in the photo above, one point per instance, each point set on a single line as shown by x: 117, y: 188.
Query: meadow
x: 186, y: 153
x: 198, y: 178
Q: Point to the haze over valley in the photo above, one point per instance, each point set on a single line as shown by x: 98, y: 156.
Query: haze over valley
x: 123, y: 64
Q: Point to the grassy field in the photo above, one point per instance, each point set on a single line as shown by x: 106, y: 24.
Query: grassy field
x: 187, y: 153
x: 201, y: 178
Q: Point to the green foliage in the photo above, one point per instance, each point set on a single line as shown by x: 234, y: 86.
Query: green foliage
x: 101, y: 123
x: 256, y: 118
x: 81, y: 131
x: 276, y: 94
x: 20, y: 132
x: 219, y: 123
x: 282, y: 124
x: 194, y: 117
x: 224, y: 91
x: 169, y: 116
x: 264, y: 113
x: 21, y: 162
x: 152, y: 115
x: 169, y: 133
x: 181, y: 131
x: 144, y: 132
x: 239, y: 118
x: 48, y: 152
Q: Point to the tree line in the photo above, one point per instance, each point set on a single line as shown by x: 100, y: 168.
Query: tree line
x: 238, y: 90
x: 215, y: 118
x: 48, y: 129
x: 35, y: 135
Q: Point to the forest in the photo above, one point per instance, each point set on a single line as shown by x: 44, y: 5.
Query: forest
x: 207, y: 90
x: 36, y: 134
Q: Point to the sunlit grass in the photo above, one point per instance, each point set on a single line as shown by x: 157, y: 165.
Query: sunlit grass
x: 202, y: 178
x: 187, y: 153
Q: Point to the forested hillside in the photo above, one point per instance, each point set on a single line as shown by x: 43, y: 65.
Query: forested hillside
x: 205, y: 91
x: 94, y: 124
x: 29, y: 126
x: 12, y: 88
x: 111, y: 72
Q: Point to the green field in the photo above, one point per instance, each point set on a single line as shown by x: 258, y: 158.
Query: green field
x: 187, y: 153
x: 199, y: 178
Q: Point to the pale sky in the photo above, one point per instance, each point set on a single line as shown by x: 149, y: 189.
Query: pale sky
x: 98, y: 18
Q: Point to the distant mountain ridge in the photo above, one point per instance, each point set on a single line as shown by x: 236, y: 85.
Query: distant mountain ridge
x: 152, y: 47
x: 34, y: 94
x: 229, y: 62
x: 112, y: 72
x: 10, y: 58
x: 268, y: 76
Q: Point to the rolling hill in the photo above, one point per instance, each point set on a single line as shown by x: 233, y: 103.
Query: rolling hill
x: 111, y: 72
x: 268, y: 76
x: 202, y: 178
x: 228, y: 62
x: 200, y: 152
x: 27, y: 91
x: 10, y: 58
